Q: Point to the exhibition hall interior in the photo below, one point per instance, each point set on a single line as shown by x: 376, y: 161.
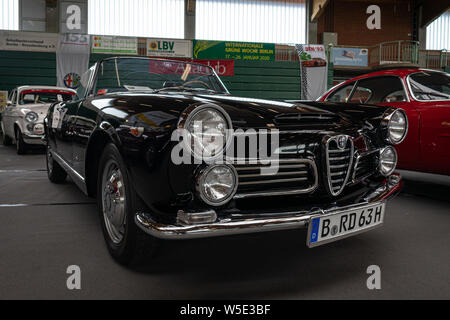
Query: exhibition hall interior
x: 225, y: 150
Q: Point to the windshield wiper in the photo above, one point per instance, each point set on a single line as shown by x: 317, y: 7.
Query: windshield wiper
x: 436, y: 94
x: 182, y: 88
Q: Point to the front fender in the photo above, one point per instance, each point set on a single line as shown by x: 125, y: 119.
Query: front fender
x: 19, y: 124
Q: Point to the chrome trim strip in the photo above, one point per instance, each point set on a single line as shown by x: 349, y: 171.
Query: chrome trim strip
x: 76, y: 177
x: 294, y: 166
x: 285, y: 192
x: 229, y: 226
x: 271, y: 181
x: 278, y: 174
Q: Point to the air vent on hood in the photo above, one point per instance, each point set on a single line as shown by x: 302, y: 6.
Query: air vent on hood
x: 308, y: 118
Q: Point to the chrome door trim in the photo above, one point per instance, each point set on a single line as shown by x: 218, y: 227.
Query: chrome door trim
x: 76, y: 177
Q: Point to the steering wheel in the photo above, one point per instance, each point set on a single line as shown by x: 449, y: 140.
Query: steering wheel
x: 196, y: 82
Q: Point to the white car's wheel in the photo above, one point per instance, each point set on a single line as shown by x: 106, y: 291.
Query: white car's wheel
x: 21, y: 146
x: 7, y: 141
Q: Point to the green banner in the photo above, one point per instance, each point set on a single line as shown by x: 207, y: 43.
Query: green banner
x: 246, y: 51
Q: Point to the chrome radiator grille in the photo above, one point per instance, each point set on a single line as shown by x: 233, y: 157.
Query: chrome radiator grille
x: 339, y: 160
x: 294, y: 176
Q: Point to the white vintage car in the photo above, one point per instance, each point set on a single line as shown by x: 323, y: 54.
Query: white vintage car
x: 23, y: 118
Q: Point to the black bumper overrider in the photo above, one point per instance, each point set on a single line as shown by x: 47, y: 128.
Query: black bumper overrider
x: 289, y: 220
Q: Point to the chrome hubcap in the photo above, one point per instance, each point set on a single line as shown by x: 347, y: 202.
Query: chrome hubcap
x: 114, y: 202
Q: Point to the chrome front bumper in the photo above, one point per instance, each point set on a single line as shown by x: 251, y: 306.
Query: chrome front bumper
x: 290, y: 220
x: 33, y: 139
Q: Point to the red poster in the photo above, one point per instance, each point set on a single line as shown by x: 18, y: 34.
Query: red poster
x: 222, y: 67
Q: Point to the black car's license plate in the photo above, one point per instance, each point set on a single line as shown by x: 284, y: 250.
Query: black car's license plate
x: 334, y: 226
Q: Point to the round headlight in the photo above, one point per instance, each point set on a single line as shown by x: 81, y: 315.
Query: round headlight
x: 397, y: 127
x: 217, y: 184
x: 31, y: 116
x: 388, y: 161
x: 208, y: 129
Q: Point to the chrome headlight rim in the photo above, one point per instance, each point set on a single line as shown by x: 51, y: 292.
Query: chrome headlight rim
x: 386, y: 122
x: 31, y: 113
x: 382, y: 151
x: 200, y: 181
x: 191, y: 113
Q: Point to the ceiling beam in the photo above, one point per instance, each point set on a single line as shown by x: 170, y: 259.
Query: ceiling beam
x: 318, y: 7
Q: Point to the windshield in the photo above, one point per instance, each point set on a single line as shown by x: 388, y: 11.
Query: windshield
x: 141, y: 74
x: 44, y: 96
x: 427, y: 85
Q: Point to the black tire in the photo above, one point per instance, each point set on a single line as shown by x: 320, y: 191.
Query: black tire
x: 55, y: 172
x: 7, y: 141
x: 136, y: 247
x: 21, y: 146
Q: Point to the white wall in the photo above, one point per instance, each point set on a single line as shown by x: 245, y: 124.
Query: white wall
x: 138, y: 18
x: 252, y: 20
x: 9, y: 14
x: 438, y: 33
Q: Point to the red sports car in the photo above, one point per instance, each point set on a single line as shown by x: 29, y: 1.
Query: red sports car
x: 425, y: 96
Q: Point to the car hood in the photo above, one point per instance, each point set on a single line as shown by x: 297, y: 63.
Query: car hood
x: 40, y: 109
x: 249, y: 112
x: 166, y: 109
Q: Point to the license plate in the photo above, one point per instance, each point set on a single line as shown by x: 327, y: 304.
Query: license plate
x: 334, y: 226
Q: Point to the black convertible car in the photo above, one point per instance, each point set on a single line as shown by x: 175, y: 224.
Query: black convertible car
x: 170, y: 154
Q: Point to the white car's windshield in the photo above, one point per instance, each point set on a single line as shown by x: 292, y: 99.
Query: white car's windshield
x: 428, y: 85
x: 44, y: 96
x: 141, y: 74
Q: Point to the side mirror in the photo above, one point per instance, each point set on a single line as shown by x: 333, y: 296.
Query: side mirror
x: 8, y: 103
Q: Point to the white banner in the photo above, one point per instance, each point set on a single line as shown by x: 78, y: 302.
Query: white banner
x: 169, y: 48
x: 314, y: 70
x: 28, y: 41
x: 72, y: 59
x: 111, y: 44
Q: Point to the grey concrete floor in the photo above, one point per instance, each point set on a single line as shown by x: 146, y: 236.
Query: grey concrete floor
x: 59, y: 227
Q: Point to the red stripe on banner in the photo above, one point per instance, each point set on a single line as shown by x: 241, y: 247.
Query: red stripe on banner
x: 223, y: 67
x: 48, y: 91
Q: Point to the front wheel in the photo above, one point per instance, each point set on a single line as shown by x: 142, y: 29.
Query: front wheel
x: 118, y: 202
x: 7, y: 141
x: 55, y: 172
x: 21, y: 146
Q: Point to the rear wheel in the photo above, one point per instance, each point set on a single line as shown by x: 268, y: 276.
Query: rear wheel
x: 21, y: 146
x: 7, y: 141
x: 118, y: 202
x: 55, y: 172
